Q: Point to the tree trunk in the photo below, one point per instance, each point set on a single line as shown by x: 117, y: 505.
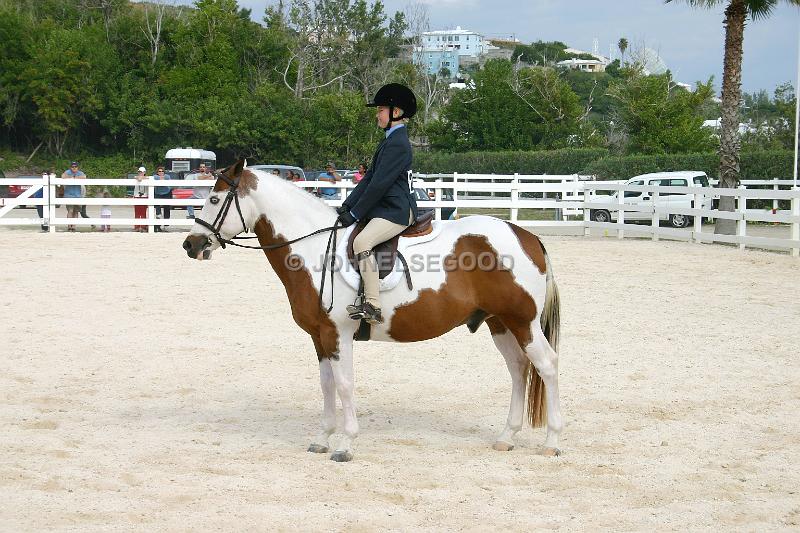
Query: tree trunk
x: 729, y: 145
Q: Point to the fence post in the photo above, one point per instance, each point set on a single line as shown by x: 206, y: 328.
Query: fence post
x: 654, y: 220
x: 51, y: 207
x: 151, y: 209
x: 796, y: 224
x: 587, y: 195
x: 775, y: 200
x: 45, y: 200
x: 514, y: 197
x: 742, y: 226
x: 697, y: 201
x: 621, y: 211
x: 437, y: 196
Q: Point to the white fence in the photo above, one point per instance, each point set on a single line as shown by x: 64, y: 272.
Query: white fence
x: 545, y: 201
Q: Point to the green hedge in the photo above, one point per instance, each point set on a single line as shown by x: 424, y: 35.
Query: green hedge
x: 754, y: 165
x: 568, y: 161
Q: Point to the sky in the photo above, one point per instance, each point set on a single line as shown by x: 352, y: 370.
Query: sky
x: 689, y: 40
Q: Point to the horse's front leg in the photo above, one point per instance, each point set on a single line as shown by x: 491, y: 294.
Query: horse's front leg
x: 320, y: 443
x: 345, y: 386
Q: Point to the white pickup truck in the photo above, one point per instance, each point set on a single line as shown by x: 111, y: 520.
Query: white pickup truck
x: 686, y: 178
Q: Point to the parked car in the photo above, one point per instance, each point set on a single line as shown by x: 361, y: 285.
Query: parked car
x: 12, y: 190
x: 283, y: 169
x: 663, y: 179
x: 448, y: 213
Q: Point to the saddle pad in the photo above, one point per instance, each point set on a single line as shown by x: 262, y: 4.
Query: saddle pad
x: 353, y: 278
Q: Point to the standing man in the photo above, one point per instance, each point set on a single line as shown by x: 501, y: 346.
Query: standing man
x: 73, y: 191
x: 330, y: 175
x: 162, y: 192
x: 203, y: 173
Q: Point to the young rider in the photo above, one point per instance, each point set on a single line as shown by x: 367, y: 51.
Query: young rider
x: 384, y: 198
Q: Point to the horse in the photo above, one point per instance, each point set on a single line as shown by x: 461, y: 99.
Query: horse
x: 516, y: 296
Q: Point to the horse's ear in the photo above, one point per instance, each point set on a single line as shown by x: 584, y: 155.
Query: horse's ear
x: 238, y: 167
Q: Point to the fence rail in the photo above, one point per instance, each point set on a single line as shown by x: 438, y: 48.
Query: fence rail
x: 568, y: 201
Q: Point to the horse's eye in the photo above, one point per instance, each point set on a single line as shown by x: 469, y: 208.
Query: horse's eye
x: 214, y: 200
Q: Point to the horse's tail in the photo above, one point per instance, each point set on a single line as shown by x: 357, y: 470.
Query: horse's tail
x: 550, y: 321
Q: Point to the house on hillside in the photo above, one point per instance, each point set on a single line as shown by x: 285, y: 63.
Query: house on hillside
x: 585, y: 65
x: 450, y: 49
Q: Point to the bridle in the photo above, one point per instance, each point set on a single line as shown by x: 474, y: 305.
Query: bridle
x: 222, y: 214
x: 233, y: 198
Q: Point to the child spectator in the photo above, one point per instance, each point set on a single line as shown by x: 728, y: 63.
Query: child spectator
x: 105, y: 211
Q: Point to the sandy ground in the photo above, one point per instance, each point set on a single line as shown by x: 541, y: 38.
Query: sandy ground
x: 143, y: 391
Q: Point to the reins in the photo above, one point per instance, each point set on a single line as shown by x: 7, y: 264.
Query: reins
x: 232, y: 198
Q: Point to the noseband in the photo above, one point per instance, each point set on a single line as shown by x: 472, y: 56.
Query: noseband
x: 230, y: 198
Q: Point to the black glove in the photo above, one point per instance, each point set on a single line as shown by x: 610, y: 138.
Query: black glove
x: 346, y: 219
x: 342, y: 209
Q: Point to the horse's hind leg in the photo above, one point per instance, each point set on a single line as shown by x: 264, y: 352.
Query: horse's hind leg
x: 545, y: 360
x: 517, y: 364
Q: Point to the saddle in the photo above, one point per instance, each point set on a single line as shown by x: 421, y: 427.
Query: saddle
x: 386, y: 252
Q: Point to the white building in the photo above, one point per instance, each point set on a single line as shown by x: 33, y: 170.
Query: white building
x: 463, y: 42
x: 585, y: 65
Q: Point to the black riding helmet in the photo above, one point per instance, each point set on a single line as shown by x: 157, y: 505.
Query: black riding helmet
x: 395, y: 95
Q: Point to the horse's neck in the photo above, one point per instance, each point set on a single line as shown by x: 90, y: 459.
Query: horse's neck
x: 293, y: 213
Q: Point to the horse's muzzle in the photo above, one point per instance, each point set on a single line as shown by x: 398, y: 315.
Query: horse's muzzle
x: 196, y: 247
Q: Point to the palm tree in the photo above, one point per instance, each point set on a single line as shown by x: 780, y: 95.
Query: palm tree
x: 736, y: 14
x: 623, y: 46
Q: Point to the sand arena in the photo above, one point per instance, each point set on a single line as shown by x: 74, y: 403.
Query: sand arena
x: 141, y: 390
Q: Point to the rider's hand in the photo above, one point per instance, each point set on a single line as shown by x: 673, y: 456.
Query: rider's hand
x: 346, y: 219
x: 342, y: 209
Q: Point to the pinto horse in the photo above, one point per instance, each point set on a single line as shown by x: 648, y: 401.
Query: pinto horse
x: 517, y: 297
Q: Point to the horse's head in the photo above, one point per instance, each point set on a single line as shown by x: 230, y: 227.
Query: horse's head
x: 229, y: 210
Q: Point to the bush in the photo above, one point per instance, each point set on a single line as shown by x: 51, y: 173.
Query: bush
x: 566, y: 161
x: 754, y: 165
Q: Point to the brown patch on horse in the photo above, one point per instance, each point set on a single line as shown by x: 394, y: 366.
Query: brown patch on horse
x: 464, y: 293
x: 532, y: 246
x: 247, y: 180
x: 303, y: 296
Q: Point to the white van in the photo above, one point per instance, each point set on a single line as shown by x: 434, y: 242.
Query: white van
x: 686, y: 178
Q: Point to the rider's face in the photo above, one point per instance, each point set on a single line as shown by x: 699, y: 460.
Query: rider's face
x: 382, y: 116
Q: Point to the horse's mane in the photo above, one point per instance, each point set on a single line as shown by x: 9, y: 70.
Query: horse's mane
x: 275, y: 182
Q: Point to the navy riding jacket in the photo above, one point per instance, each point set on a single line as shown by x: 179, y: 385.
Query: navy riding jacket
x: 386, y: 191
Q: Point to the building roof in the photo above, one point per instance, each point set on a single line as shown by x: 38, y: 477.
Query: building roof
x: 457, y: 31
x: 576, y: 61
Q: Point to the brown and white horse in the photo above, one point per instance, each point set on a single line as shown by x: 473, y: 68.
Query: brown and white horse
x: 476, y: 269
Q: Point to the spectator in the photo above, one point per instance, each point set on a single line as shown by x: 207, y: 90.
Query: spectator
x: 330, y: 175
x: 276, y: 172
x: 359, y: 174
x: 295, y: 176
x: 140, y: 191
x: 162, y: 192
x: 73, y: 191
x: 203, y: 173
x: 105, y: 211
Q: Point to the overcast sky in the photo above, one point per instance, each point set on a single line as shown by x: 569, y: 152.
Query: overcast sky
x: 690, y: 41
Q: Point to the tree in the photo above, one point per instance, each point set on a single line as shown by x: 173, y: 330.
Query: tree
x: 736, y: 14
x: 504, y: 108
x: 623, y: 46
x: 652, y: 115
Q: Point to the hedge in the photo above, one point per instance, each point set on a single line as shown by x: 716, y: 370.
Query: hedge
x: 567, y: 161
x: 754, y: 165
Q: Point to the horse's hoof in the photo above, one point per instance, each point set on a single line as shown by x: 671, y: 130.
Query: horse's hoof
x: 551, y: 452
x: 318, y: 448
x: 501, y: 446
x: 341, y: 457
